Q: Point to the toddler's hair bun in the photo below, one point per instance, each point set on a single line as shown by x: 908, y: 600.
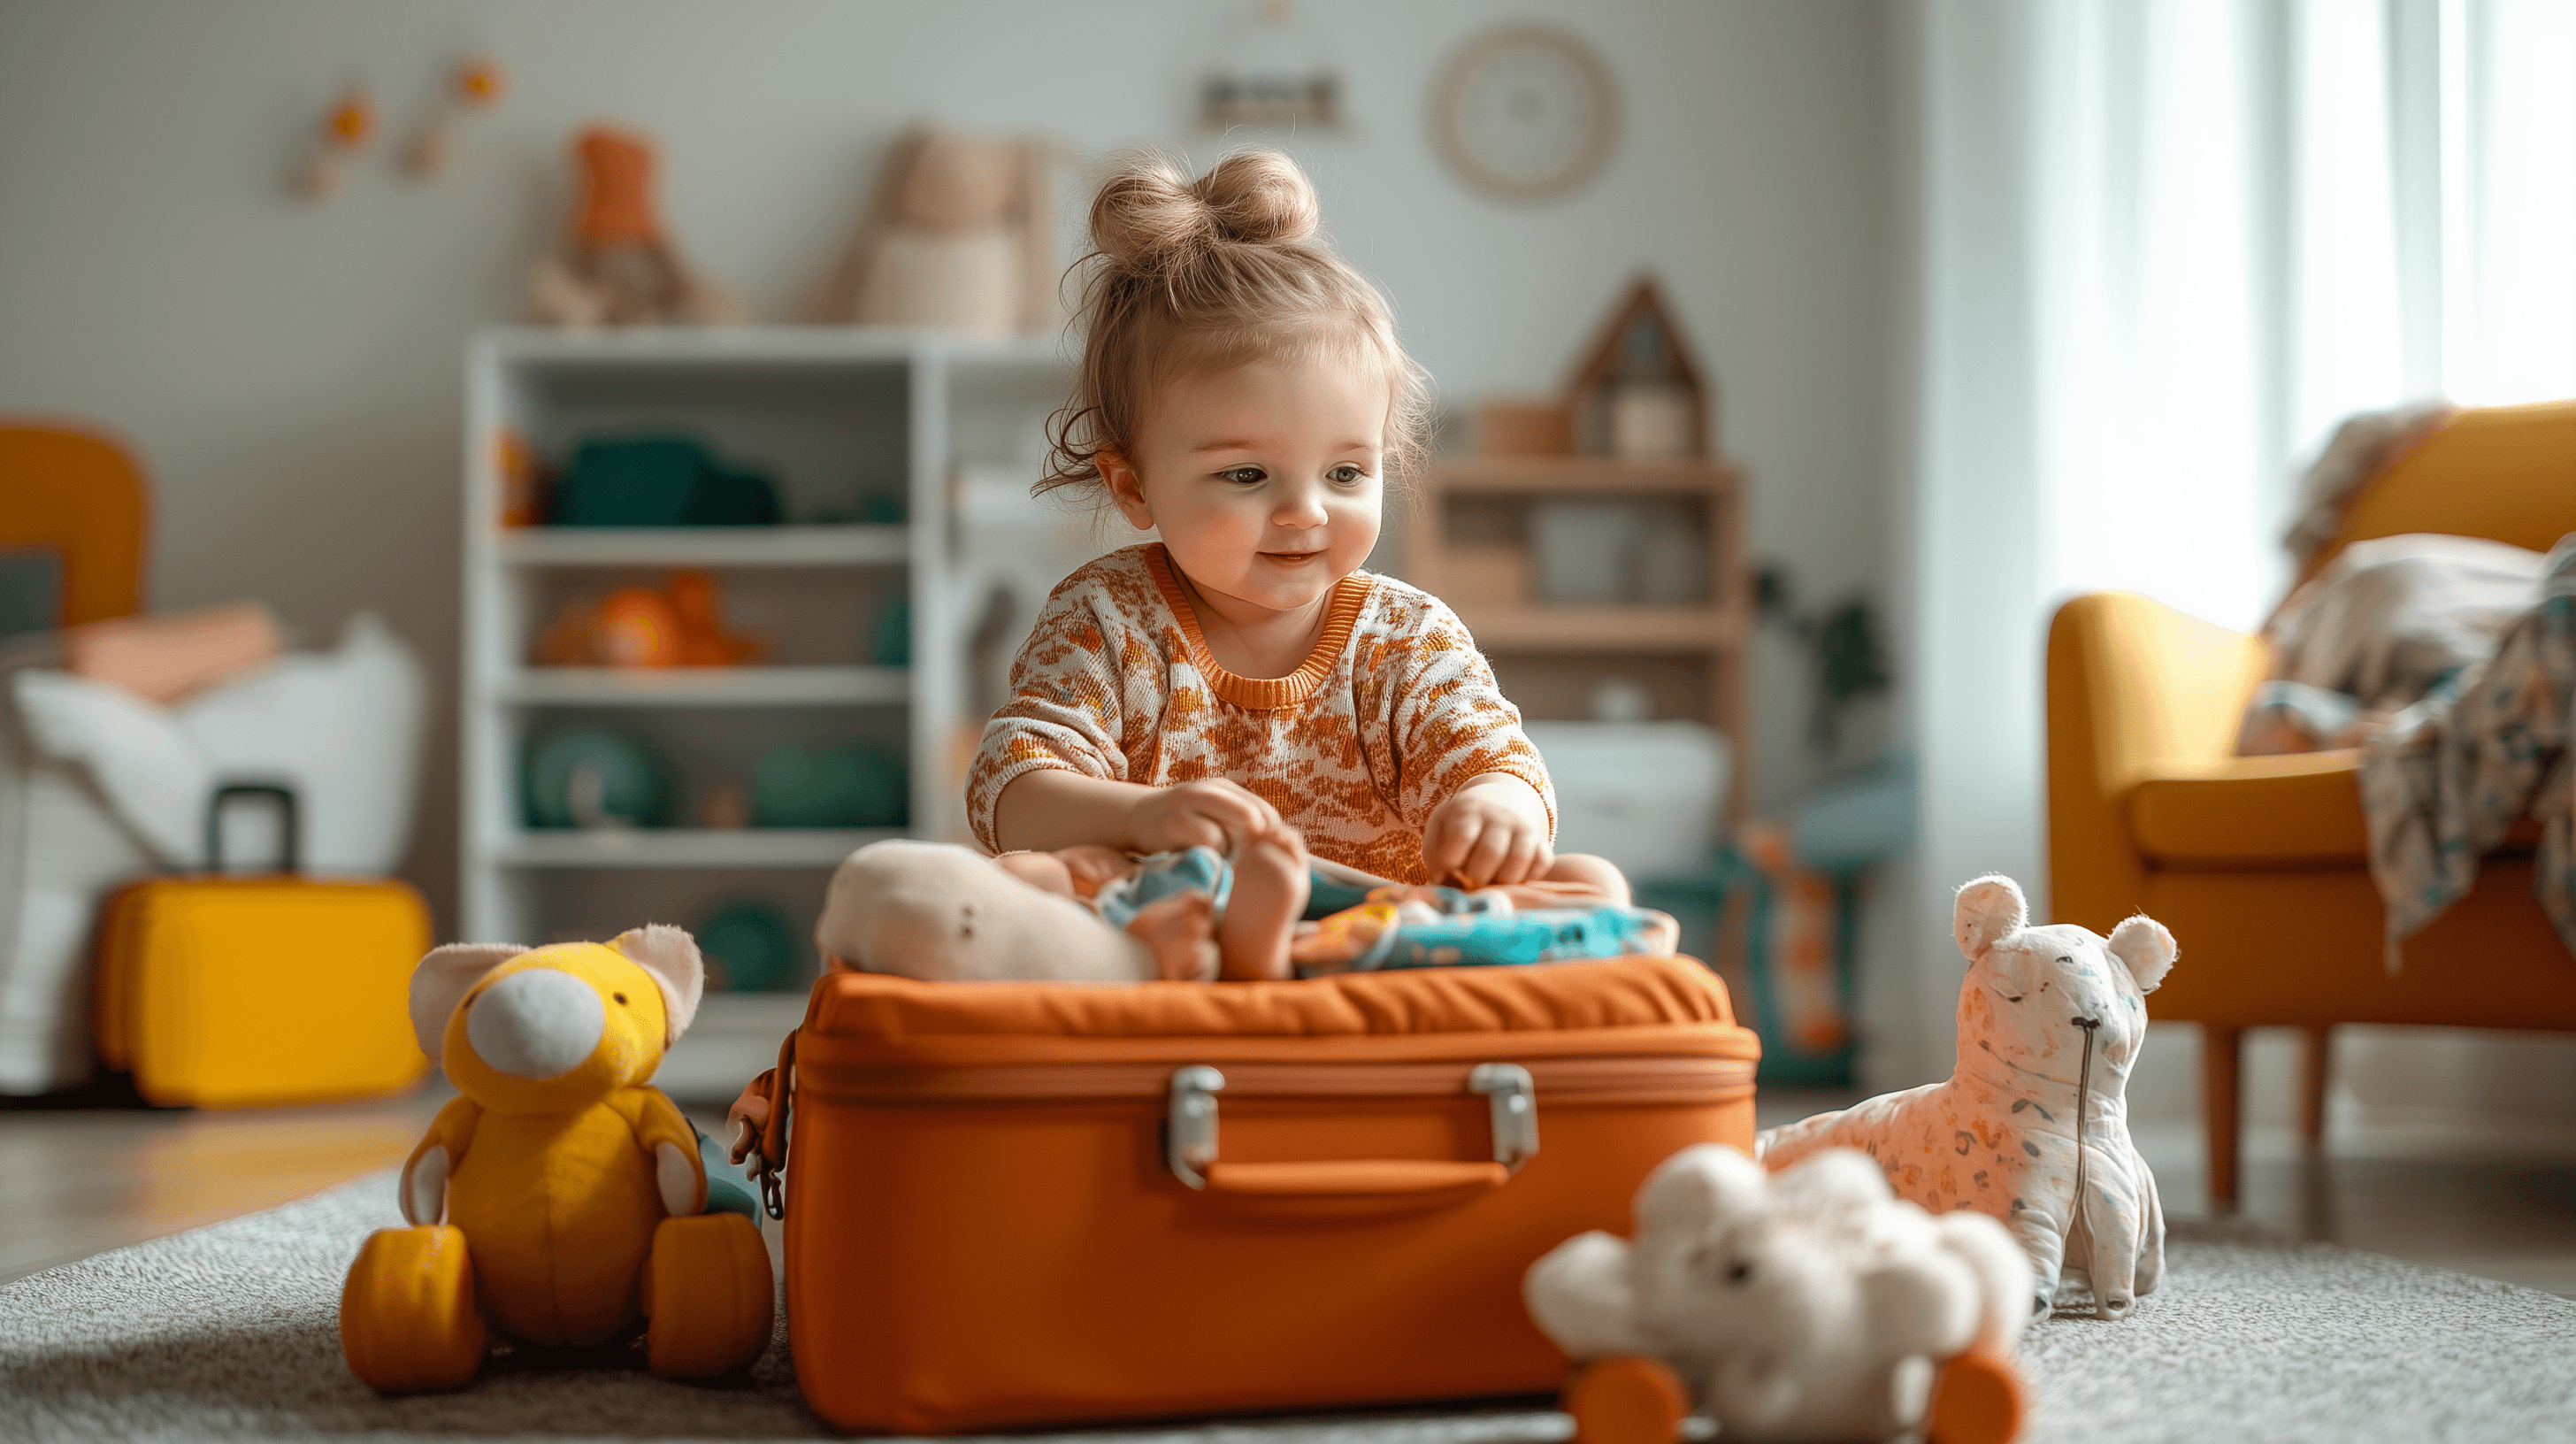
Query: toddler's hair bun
x: 1151, y: 212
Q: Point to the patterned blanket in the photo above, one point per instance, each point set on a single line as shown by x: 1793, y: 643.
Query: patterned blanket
x: 2447, y: 776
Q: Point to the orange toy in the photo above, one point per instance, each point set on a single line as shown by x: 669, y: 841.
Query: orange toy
x: 679, y: 626
x: 619, y: 268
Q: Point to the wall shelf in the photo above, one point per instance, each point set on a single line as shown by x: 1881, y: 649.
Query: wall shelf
x: 1473, y: 541
x: 687, y: 847
x: 705, y: 686
x: 726, y: 546
x: 1608, y: 629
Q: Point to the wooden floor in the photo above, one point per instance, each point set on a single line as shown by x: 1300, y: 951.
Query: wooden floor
x: 75, y: 1182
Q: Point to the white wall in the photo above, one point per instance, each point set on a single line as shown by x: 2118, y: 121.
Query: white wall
x: 289, y: 373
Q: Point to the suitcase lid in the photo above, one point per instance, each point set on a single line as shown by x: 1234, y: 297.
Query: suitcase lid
x: 1622, y: 993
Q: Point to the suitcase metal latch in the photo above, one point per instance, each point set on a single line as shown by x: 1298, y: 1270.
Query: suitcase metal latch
x: 1508, y: 1088
x: 1189, y: 1142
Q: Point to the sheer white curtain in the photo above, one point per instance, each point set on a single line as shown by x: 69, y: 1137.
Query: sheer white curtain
x: 2161, y: 248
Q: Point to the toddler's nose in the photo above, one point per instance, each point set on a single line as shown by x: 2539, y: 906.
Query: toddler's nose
x: 1300, y: 508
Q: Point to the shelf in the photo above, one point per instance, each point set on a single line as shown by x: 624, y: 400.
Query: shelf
x: 1605, y: 629
x: 739, y: 346
x: 1534, y: 475
x: 705, y: 686
x: 689, y: 847
x: 714, y: 546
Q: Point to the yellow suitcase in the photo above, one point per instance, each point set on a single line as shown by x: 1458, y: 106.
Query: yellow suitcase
x: 240, y: 991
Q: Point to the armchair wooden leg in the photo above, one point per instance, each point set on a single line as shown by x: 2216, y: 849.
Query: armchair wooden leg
x: 2319, y: 1078
x: 2221, y: 1052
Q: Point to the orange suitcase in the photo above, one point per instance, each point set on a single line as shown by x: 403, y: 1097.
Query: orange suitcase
x: 1019, y: 1204
x: 238, y: 991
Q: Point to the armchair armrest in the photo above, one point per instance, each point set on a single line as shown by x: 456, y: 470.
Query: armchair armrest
x: 2132, y: 685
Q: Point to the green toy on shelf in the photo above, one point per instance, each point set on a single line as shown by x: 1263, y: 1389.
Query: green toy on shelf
x: 848, y: 784
x: 585, y: 775
x: 659, y: 479
x: 754, y: 945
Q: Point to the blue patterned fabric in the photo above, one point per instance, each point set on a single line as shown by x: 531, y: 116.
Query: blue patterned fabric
x: 2448, y: 775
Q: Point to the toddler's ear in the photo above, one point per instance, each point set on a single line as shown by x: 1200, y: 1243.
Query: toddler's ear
x: 671, y: 956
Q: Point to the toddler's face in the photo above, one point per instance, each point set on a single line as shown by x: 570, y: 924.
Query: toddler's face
x: 1264, y: 479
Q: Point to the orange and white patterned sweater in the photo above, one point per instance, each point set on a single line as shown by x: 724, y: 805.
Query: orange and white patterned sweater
x: 1391, y: 712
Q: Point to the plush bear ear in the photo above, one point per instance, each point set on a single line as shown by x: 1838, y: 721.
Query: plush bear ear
x: 1698, y: 1186
x: 442, y: 980
x: 2143, y: 944
x: 671, y: 956
x: 1990, y: 910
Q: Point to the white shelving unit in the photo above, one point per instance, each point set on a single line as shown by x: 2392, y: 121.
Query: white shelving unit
x: 832, y: 415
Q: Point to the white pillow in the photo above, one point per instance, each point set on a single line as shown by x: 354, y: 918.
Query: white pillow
x: 136, y: 753
x: 342, y: 728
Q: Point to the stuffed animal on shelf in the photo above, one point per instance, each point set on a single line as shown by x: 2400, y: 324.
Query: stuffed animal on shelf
x: 618, y: 267
x: 558, y: 1201
x: 960, y: 237
x: 1813, y: 1305
x: 2032, y: 1128
x: 682, y: 625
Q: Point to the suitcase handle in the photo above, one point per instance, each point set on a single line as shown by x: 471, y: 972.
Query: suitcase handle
x: 283, y: 796
x: 1190, y: 1151
x: 1359, y: 1185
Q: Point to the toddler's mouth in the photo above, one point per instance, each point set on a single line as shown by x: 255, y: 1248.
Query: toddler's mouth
x: 1293, y: 558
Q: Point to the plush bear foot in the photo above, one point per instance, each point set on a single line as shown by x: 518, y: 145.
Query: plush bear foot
x: 408, y: 1316
x: 709, y: 1294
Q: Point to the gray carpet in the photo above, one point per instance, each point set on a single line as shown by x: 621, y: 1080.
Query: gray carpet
x: 230, y: 1332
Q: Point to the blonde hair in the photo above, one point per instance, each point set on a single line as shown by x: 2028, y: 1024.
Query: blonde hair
x: 1196, y: 276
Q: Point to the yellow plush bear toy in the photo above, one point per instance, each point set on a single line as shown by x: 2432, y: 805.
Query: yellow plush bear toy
x: 558, y: 1200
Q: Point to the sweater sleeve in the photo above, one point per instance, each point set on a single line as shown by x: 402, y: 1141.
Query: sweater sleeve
x: 1451, y: 721
x: 1065, y: 708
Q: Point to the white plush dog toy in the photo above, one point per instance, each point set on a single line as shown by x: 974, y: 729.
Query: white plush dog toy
x: 1813, y: 1305
x: 2047, y: 1017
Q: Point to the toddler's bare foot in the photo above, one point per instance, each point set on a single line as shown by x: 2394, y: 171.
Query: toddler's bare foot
x: 1262, y: 909
x: 1093, y: 867
x: 1180, y: 931
x: 1041, y: 870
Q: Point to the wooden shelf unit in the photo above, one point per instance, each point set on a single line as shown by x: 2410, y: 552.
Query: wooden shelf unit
x: 1691, y: 658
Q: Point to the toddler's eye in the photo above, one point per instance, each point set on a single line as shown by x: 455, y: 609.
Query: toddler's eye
x: 1244, y: 476
x: 1347, y: 475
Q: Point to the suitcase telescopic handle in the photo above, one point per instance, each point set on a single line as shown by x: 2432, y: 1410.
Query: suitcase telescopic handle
x: 1190, y: 1151
x: 292, y: 859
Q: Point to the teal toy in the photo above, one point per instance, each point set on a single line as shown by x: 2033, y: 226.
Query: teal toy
x: 659, y: 480
x: 847, y: 784
x: 754, y: 941
x: 586, y: 775
x: 894, y: 634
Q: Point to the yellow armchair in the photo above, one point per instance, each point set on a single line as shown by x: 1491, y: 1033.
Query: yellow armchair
x: 2260, y: 865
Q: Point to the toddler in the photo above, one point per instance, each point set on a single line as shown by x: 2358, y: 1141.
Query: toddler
x: 1241, y: 684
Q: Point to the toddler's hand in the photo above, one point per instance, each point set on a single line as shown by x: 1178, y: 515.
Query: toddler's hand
x: 1215, y: 812
x: 1488, y: 832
